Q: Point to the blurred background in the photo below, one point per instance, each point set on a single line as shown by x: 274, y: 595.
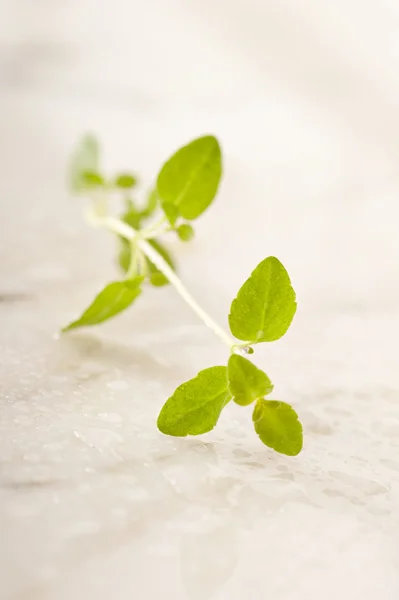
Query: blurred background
x: 304, y: 98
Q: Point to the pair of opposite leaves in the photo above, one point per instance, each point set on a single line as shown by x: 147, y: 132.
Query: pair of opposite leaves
x: 262, y: 312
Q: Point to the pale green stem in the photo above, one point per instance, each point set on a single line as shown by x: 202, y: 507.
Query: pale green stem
x: 117, y: 226
x: 142, y: 262
x: 163, y: 266
x: 130, y: 234
x: 157, y: 225
x: 132, y: 270
x: 158, y: 228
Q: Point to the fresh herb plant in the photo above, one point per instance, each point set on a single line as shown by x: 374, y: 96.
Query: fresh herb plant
x: 261, y: 312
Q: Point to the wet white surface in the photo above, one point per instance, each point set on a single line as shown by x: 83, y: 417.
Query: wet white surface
x: 95, y: 503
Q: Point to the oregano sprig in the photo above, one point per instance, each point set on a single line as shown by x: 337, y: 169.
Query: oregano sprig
x: 261, y: 312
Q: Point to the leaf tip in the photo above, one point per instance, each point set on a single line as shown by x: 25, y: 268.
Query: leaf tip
x: 210, y: 139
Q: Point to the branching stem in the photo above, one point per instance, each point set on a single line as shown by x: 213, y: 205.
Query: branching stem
x: 140, y: 238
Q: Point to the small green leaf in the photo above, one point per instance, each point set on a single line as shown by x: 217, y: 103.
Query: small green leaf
x: 265, y: 305
x: 131, y: 216
x: 247, y: 383
x: 171, y: 212
x: 185, y: 232
x: 190, y: 178
x: 112, y: 300
x: 86, y: 157
x: 195, y: 406
x: 157, y: 278
x: 125, y: 254
x: 92, y: 179
x: 277, y: 425
x: 125, y: 181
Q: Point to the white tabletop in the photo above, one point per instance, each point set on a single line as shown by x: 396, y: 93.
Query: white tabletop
x: 95, y: 503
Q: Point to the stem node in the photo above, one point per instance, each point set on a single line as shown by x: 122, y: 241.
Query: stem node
x: 123, y: 229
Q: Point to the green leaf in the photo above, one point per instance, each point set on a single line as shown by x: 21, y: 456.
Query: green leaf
x: 185, y: 232
x: 190, y: 178
x: 131, y: 216
x: 125, y: 254
x: 157, y: 278
x: 247, y: 383
x: 171, y: 212
x: 112, y: 300
x: 86, y: 157
x: 92, y: 179
x: 265, y: 305
x: 125, y: 181
x: 195, y: 406
x: 277, y: 425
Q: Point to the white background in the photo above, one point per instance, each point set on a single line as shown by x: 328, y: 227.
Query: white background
x: 95, y: 504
